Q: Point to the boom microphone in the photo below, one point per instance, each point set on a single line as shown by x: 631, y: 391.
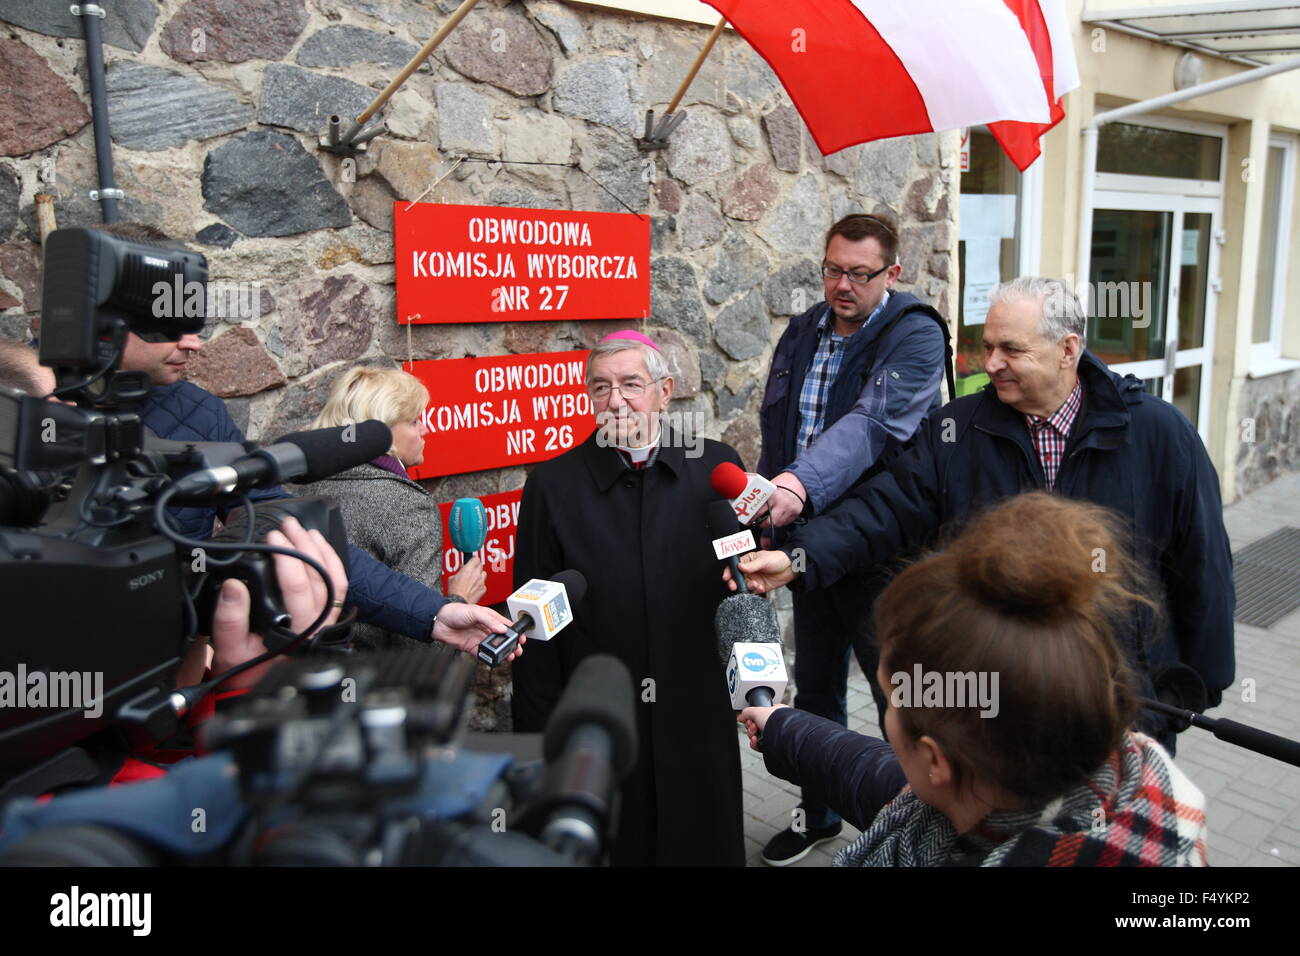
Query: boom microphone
x: 305, y: 457
x: 590, y: 745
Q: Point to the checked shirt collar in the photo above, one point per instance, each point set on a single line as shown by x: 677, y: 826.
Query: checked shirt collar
x: 1050, y: 434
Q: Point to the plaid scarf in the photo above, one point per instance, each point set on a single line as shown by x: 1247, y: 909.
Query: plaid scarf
x: 1138, y: 809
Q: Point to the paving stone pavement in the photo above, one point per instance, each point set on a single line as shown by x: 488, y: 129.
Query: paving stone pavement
x: 1253, y: 802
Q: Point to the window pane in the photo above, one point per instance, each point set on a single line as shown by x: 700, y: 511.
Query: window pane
x: 1194, y: 259
x: 1187, y: 392
x: 1130, y: 284
x: 1266, y: 267
x: 1146, y: 151
x: 987, y: 250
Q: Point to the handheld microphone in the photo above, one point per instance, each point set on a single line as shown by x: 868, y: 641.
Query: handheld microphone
x: 749, y: 641
x: 728, y: 543
x: 467, y: 524
x: 544, y: 605
x: 306, y: 457
x: 748, y: 493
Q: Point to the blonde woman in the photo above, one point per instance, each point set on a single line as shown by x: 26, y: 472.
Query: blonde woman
x: 385, y: 512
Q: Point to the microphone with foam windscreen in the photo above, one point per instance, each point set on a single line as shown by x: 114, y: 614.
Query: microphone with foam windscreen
x: 748, y: 493
x: 467, y: 524
x: 304, y: 457
x: 590, y: 746
x: 749, y: 643
x: 729, y: 541
x: 542, y: 607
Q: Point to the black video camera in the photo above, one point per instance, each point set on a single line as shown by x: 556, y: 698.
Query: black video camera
x: 100, y: 592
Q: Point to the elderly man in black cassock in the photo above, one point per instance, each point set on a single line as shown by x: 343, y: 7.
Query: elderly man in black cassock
x: 627, y: 508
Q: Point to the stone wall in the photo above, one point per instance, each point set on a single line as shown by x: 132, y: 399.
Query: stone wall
x: 216, y: 104
x: 1269, y: 430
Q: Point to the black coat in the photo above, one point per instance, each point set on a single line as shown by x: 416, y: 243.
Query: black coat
x: 1128, y: 451
x: 653, y: 584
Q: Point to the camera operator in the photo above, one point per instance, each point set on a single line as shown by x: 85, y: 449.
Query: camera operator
x: 1040, y: 765
x: 182, y: 411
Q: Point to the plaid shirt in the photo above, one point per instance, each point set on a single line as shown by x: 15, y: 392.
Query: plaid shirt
x: 817, y: 383
x: 1051, y: 434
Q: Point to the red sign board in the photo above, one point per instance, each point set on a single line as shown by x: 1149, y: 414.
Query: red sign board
x: 498, y: 551
x: 502, y: 264
x: 502, y: 411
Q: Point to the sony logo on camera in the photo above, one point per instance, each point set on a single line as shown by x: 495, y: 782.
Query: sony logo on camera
x: 144, y: 580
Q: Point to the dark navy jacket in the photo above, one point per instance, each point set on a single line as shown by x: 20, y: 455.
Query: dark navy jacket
x: 1128, y: 451
x: 185, y: 412
x: 866, y: 415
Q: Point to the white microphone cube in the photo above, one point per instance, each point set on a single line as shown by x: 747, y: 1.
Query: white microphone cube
x: 755, y: 665
x: 547, y: 603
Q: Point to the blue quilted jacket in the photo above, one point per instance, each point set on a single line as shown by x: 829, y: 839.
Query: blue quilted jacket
x: 383, y: 597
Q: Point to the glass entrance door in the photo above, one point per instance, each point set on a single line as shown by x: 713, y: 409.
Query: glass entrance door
x: 1152, y: 292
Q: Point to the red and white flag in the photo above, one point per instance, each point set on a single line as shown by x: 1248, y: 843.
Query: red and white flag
x: 859, y: 70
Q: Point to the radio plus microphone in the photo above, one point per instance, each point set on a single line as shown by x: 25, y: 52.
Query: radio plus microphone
x: 304, y: 457
x: 728, y: 543
x: 749, y: 642
x: 467, y: 524
x: 748, y: 493
x: 546, y: 606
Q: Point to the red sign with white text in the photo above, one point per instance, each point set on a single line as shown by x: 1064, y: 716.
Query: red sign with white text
x: 498, y: 551
x: 502, y: 264
x: 502, y: 411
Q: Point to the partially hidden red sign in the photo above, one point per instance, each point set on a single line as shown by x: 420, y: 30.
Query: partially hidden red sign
x: 498, y: 551
x: 502, y: 411
x: 502, y: 264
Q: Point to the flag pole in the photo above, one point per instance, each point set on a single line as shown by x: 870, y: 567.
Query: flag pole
x: 656, y: 135
x: 348, y: 136
x: 695, y: 67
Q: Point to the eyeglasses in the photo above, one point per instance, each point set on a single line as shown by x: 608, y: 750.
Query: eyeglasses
x: 633, y: 389
x: 857, y: 276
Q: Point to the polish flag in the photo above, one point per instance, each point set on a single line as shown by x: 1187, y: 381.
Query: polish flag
x: 860, y: 70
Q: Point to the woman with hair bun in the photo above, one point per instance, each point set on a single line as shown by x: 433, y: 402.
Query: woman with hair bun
x: 1010, y: 714
x: 386, y: 513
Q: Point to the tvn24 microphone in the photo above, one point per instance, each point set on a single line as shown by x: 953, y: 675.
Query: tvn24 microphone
x: 467, y: 524
x: 304, y: 457
x: 749, y: 641
x: 748, y: 493
x: 546, y: 606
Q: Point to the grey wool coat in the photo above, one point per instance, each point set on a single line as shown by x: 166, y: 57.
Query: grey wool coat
x: 394, y: 519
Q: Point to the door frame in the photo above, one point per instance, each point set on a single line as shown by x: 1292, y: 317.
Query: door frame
x: 1179, y: 197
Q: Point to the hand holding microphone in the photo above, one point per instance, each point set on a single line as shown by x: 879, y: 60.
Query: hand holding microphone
x: 755, y: 721
x: 542, y: 607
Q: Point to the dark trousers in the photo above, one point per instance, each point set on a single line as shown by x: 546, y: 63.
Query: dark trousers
x: 828, y: 626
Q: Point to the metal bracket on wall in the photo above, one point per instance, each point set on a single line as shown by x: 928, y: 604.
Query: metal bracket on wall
x: 88, y: 10
x: 97, y: 194
x: 656, y: 135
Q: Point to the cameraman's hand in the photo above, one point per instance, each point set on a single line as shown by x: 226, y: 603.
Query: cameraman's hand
x: 304, y: 596
x: 470, y: 582
x: 464, y: 626
x: 755, y: 719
